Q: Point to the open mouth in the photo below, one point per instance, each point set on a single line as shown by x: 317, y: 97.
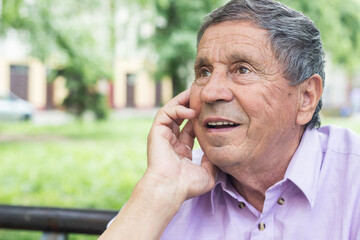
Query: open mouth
x: 221, y: 124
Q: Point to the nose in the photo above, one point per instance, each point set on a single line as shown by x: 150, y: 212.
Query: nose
x: 216, y: 89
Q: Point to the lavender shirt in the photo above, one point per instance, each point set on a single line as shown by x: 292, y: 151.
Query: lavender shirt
x: 319, y: 198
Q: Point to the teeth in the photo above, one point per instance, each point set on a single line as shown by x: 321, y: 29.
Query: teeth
x: 220, y: 123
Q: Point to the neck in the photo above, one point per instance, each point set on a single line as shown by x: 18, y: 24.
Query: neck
x: 253, y: 180
x: 253, y: 187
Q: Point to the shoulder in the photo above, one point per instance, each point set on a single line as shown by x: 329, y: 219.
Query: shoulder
x: 341, y: 158
x: 339, y: 172
x: 339, y: 141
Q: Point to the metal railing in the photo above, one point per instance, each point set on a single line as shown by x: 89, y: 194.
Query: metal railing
x: 55, y: 223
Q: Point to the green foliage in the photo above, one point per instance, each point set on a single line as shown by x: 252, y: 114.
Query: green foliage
x: 70, y: 35
x: 10, y: 15
x: 71, y: 39
x: 174, y: 40
x: 339, y: 24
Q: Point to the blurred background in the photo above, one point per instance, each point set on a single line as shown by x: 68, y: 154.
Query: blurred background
x: 80, y: 82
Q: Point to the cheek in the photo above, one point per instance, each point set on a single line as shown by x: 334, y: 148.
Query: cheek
x: 266, y: 103
x: 252, y: 100
x: 274, y: 107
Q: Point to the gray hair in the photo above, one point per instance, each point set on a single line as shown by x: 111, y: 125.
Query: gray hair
x: 294, y: 38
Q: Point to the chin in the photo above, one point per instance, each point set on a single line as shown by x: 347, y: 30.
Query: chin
x: 224, y: 156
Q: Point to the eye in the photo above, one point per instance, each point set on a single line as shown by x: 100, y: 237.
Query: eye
x: 243, y: 70
x: 204, y: 73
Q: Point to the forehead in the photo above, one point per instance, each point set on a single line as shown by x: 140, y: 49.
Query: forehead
x: 224, y: 40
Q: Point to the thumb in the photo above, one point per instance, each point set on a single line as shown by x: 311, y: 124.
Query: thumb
x: 203, y: 179
x: 211, y: 169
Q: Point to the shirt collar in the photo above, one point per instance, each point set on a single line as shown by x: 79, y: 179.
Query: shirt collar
x: 304, y: 167
x: 222, y: 182
x: 303, y: 170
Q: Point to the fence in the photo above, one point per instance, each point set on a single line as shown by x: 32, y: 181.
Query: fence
x: 55, y: 223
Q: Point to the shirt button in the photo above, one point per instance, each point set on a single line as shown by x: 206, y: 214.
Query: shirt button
x: 241, y: 205
x: 281, y: 201
x: 261, y: 226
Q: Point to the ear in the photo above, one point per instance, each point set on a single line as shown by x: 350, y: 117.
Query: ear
x: 310, y: 93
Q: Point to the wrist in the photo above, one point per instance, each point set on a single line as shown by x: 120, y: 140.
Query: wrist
x: 159, y: 192
x: 149, y: 210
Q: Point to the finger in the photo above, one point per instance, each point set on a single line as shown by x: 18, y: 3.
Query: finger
x: 182, y: 98
x: 173, y: 140
x: 210, y: 168
x: 175, y: 128
x: 176, y: 110
x: 206, y: 178
x: 168, y: 115
x: 183, y: 151
x: 187, y: 135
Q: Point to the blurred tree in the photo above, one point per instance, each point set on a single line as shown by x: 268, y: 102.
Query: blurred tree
x: 72, y: 38
x: 339, y: 24
x: 174, y: 40
x: 79, y: 37
x: 177, y: 22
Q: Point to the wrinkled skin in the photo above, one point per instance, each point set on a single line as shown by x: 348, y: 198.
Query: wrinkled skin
x: 239, y: 80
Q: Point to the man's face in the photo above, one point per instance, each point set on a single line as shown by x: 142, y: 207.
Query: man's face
x: 246, y: 108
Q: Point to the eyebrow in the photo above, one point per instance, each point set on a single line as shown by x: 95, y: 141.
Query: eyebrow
x: 233, y: 58
x: 201, y: 62
x: 239, y: 57
x: 246, y: 58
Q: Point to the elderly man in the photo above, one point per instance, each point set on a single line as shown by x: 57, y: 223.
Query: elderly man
x: 265, y: 170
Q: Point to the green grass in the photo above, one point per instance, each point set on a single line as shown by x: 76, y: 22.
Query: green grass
x: 78, y: 165
x: 81, y: 165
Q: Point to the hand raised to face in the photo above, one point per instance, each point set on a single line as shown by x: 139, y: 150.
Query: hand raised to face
x: 170, y: 178
x: 170, y: 151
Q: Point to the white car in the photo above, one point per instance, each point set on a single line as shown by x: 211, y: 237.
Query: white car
x: 14, y: 108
